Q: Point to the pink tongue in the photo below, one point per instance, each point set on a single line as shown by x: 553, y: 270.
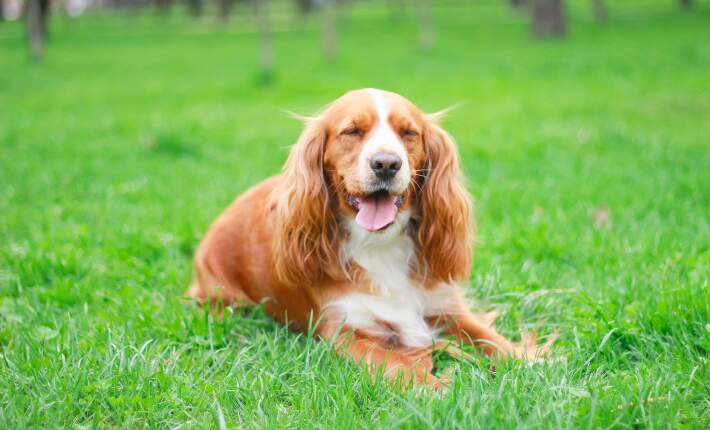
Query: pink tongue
x: 376, y: 212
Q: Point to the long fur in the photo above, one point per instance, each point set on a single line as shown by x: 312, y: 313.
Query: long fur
x: 305, y: 241
x: 444, y: 235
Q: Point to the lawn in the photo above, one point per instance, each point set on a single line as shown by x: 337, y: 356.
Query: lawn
x: 589, y: 159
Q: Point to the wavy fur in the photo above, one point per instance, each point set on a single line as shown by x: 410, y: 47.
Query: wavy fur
x: 305, y: 227
x: 445, y: 232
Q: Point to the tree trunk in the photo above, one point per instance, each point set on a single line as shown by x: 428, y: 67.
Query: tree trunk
x: 686, y: 4
x: 44, y: 6
x: 196, y: 7
x: 164, y: 6
x: 548, y: 18
x: 426, y: 24
x: 599, y: 10
x: 2, y: 10
x: 36, y: 15
x: 266, y: 48
x: 225, y: 9
x: 304, y: 6
x: 329, y: 35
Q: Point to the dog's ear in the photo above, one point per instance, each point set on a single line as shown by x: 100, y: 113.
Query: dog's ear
x: 445, y: 231
x: 305, y: 241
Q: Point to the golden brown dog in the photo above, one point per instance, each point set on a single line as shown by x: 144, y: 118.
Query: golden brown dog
x: 368, y: 230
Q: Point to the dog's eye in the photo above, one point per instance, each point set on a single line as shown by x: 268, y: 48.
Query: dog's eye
x: 408, y: 133
x: 352, y: 131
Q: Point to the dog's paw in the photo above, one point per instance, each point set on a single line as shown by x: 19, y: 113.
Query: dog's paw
x: 528, y: 349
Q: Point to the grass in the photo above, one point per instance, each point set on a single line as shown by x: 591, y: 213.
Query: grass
x: 589, y: 159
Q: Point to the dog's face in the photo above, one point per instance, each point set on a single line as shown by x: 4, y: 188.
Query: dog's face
x: 370, y: 156
x: 373, y: 154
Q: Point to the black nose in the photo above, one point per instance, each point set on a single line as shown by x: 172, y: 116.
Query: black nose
x: 385, y: 165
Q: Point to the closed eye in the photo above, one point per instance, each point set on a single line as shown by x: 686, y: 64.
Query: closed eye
x: 352, y: 131
x: 408, y: 133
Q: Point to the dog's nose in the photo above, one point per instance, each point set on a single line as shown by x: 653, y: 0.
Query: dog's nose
x: 385, y: 165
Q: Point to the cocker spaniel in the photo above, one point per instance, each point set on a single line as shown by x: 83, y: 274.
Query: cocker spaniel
x: 368, y: 231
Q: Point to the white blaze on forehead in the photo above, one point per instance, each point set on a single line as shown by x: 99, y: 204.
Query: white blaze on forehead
x: 383, y: 139
x: 381, y: 105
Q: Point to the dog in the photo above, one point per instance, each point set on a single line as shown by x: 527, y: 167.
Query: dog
x: 368, y: 232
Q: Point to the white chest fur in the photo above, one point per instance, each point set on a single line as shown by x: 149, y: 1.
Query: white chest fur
x: 394, y: 301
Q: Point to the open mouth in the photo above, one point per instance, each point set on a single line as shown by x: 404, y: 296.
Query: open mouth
x: 376, y: 211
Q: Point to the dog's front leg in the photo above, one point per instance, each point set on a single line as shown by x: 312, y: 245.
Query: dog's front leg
x: 479, y: 331
x: 395, y: 362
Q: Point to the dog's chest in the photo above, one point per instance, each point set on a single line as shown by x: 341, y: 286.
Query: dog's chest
x: 391, y: 305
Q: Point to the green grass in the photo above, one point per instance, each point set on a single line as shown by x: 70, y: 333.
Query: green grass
x: 119, y: 149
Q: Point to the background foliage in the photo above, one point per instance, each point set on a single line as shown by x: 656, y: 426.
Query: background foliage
x: 588, y: 158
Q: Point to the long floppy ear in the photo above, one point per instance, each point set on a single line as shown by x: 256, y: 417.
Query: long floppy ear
x: 304, y: 242
x: 445, y: 232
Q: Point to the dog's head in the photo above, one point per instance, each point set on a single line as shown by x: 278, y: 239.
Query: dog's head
x: 370, y: 156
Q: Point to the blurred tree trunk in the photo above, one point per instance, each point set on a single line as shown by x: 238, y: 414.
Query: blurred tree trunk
x: 266, y: 48
x: 599, y: 10
x: 196, y: 7
x: 686, y: 4
x: 548, y: 18
x: 2, y: 10
x: 36, y: 16
x: 426, y: 24
x: 225, y: 9
x: 329, y: 33
x: 304, y: 6
x: 164, y: 6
